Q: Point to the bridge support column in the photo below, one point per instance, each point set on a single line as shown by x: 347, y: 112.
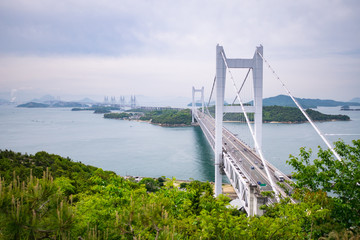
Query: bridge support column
x: 193, y: 105
x: 258, y: 94
x: 219, y: 110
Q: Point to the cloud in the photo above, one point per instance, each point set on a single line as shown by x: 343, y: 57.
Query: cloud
x: 137, y: 45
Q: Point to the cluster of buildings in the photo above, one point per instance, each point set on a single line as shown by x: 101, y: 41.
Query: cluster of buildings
x: 122, y: 101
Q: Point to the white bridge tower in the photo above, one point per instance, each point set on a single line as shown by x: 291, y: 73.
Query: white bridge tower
x: 256, y: 64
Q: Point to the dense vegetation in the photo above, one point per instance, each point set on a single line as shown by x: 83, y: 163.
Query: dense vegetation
x: 292, y: 114
x: 33, y: 105
x: 285, y: 114
x: 45, y: 196
x: 102, y: 110
x: 118, y: 115
x: 169, y: 117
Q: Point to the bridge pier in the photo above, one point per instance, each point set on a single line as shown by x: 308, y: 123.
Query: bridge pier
x: 247, y: 191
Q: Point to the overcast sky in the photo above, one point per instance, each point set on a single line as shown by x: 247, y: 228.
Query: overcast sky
x: 163, y: 48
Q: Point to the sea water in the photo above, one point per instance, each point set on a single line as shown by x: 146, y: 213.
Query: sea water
x: 142, y: 149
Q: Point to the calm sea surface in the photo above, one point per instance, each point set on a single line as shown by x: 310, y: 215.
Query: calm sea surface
x: 142, y: 149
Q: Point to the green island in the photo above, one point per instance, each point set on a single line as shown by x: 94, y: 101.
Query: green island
x: 45, y: 196
x: 166, y: 117
x: 285, y: 115
x: 118, y: 115
x: 176, y: 117
x: 169, y: 117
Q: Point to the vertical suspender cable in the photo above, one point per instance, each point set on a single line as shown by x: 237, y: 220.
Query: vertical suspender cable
x: 302, y: 110
x: 258, y: 149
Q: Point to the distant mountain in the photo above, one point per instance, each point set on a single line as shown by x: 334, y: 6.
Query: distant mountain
x: 33, y: 105
x: 86, y: 100
x: 355, y: 100
x: 43, y: 99
x: 283, y: 100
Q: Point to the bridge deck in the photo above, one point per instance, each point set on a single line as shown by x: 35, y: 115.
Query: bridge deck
x: 247, y: 162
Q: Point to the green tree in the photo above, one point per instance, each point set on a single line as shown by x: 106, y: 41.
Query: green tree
x: 340, y: 178
x: 34, y: 209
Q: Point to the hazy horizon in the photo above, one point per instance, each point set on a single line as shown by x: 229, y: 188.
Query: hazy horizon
x: 160, y: 49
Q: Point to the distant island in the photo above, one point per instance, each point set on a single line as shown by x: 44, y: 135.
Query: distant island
x: 347, y: 108
x: 281, y: 114
x: 57, y: 104
x: 276, y: 109
x: 271, y: 114
x: 96, y: 109
x: 163, y: 117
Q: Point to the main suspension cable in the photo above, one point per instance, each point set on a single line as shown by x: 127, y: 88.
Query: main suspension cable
x: 302, y: 110
x: 258, y: 149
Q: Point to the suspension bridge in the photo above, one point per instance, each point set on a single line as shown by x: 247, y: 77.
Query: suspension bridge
x: 250, y: 174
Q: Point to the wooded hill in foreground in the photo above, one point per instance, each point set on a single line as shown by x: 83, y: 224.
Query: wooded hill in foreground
x: 45, y: 196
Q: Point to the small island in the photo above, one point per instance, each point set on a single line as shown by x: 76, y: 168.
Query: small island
x: 121, y: 116
x: 51, y: 104
x: 96, y: 109
x: 280, y: 114
x: 163, y: 117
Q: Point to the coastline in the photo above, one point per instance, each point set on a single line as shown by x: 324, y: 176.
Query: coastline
x: 269, y: 122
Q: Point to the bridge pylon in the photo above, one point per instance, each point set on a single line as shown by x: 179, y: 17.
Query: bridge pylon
x: 201, y: 90
x: 222, y: 62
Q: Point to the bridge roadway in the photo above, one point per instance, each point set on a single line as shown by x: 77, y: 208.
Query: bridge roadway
x: 247, y: 161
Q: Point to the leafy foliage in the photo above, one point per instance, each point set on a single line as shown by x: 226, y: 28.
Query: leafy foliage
x: 341, y: 178
x: 85, y: 202
x: 169, y: 117
x: 117, y: 115
x: 285, y: 114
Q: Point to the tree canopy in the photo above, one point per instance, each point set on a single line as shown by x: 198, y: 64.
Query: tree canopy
x: 341, y: 179
x: 45, y: 196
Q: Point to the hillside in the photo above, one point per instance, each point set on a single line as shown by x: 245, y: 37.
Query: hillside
x: 169, y: 117
x: 33, y: 105
x: 355, y: 100
x: 283, y: 100
x: 285, y: 115
x: 46, y: 196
